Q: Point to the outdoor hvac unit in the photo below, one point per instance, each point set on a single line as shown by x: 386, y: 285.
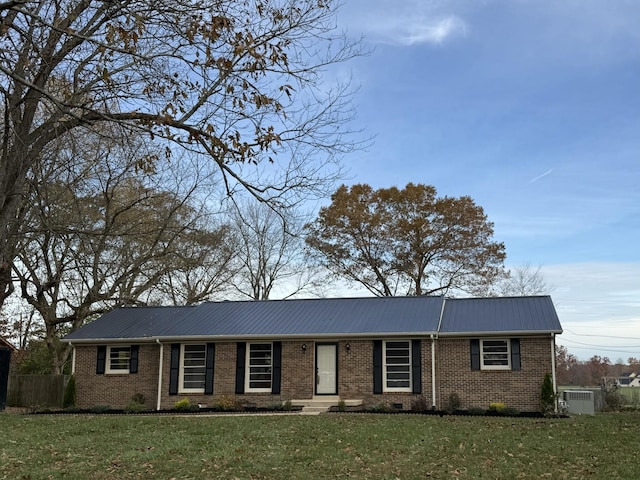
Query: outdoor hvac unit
x: 580, y: 402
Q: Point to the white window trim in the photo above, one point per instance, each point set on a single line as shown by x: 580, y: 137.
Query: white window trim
x: 247, y: 370
x: 118, y: 371
x: 384, y: 368
x: 181, y: 388
x: 495, y: 367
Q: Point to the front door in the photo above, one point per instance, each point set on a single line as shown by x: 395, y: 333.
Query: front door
x: 326, y: 369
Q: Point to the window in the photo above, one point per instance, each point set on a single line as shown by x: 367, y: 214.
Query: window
x: 259, y: 367
x: 397, y: 366
x: 194, y: 367
x: 495, y: 354
x: 118, y: 359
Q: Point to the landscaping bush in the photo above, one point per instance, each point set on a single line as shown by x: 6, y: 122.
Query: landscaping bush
x: 183, y: 405
x: 136, y: 405
x: 69, y: 400
x: 452, y: 404
x: 547, y: 396
x: 420, y: 405
x: 226, y: 403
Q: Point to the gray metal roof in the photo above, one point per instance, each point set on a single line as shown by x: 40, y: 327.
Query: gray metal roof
x: 499, y: 315
x: 130, y: 322
x: 274, y: 318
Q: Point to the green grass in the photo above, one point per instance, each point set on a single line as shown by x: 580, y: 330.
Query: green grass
x: 365, y: 446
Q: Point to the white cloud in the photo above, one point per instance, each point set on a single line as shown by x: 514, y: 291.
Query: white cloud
x: 413, y: 30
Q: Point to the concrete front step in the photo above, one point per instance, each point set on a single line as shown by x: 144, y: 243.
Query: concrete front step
x: 321, y: 404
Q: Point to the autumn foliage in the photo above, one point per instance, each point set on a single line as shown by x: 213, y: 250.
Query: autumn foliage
x: 406, y: 241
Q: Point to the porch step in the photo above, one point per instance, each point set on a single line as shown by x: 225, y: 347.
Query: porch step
x: 321, y: 404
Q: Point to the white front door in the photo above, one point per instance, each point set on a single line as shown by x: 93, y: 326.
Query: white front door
x: 326, y: 371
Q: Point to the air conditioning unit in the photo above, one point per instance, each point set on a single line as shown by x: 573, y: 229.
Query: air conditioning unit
x: 580, y: 402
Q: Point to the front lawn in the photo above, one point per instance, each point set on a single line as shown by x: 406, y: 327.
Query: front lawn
x: 327, y: 446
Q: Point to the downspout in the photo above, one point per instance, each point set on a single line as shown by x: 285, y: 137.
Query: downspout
x: 159, y: 400
x: 73, y: 358
x: 553, y: 372
x: 433, y: 371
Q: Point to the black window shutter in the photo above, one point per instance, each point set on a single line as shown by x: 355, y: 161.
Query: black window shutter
x: 210, y: 361
x: 276, y: 370
x: 475, y: 354
x: 133, y: 359
x: 240, y: 362
x: 101, y: 359
x: 377, y: 366
x: 416, y: 366
x: 174, y: 370
x: 515, y: 354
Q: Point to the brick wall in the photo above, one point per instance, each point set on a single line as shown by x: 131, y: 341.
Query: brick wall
x: 116, y: 390
x: 519, y: 389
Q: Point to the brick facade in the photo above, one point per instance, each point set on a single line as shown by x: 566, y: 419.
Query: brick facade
x: 478, y: 388
x: 519, y: 389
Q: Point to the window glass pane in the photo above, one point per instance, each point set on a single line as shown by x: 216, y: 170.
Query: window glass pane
x: 495, y: 353
x: 397, y: 361
x: 119, y: 358
x: 194, y: 359
x: 260, y: 366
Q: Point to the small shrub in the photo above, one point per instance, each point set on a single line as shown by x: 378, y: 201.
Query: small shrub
x: 342, y: 406
x: 547, y: 396
x: 226, y: 403
x: 613, y: 401
x: 420, y: 405
x: 287, y: 406
x: 452, y: 404
x: 497, y: 406
x: 476, y: 411
x: 69, y: 400
x: 510, y: 412
x: 183, y: 404
x: 135, y: 407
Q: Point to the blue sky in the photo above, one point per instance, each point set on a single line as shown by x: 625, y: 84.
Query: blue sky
x: 531, y: 107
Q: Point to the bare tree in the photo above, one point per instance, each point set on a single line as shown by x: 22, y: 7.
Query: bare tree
x: 99, y: 233
x: 523, y: 280
x: 270, y: 254
x: 239, y: 82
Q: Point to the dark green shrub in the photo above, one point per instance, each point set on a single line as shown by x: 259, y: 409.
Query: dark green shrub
x: 476, y: 411
x: 69, y: 400
x: 452, y: 404
x: 137, y: 404
x: 420, y: 405
x: 547, y: 396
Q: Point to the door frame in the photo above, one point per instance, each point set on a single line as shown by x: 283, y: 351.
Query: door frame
x: 315, y: 377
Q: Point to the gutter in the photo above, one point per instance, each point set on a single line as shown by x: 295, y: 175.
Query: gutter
x: 253, y: 336
x: 498, y: 333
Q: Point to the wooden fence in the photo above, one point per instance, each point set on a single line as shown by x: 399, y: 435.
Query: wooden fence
x: 36, y: 391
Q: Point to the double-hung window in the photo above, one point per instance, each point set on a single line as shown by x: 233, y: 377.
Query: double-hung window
x: 193, y: 362
x: 259, y: 367
x: 495, y: 354
x: 118, y: 359
x: 397, y: 366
